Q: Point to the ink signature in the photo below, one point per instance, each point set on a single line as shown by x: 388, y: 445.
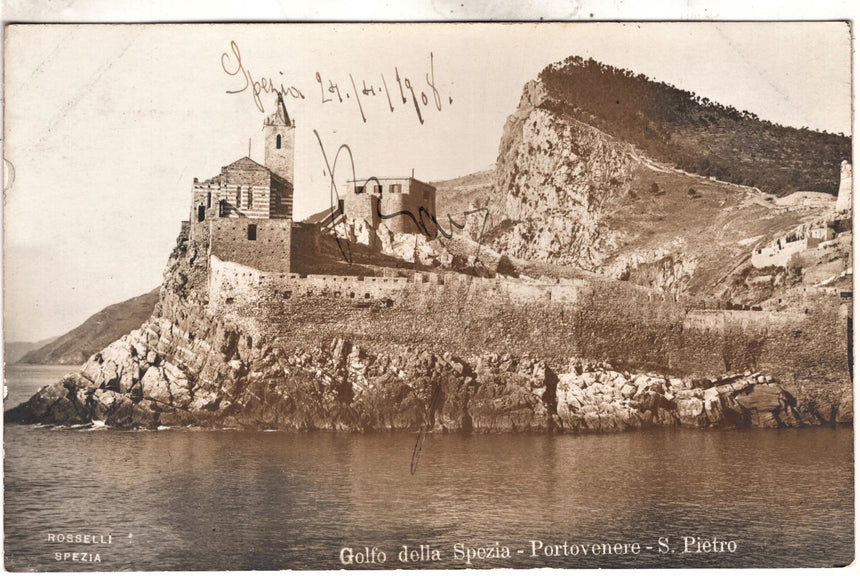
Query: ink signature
x: 404, y: 90
x: 422, y: 221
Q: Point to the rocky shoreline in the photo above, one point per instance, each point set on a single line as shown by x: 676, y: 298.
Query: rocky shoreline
x: 347, y: 388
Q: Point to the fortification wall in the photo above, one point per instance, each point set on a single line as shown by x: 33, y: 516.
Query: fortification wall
x: 199, y: 232
x: 752, y: 320
x: 233, y: 287
x: 603, y: 321
x: 399, y: 203
x: 391, y: 204
x: 261, y: 244
x: 304, y: 241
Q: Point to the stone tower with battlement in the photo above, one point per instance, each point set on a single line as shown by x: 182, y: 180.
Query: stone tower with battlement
x: 280, y: 134
x: 844, y: 198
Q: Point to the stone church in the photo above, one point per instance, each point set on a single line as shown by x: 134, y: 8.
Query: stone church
x: 246, y: 211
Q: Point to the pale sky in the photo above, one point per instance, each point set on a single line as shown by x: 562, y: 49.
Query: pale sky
x: 107, y: 126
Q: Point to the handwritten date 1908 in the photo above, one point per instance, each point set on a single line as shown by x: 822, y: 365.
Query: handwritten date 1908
x: 394, y: 92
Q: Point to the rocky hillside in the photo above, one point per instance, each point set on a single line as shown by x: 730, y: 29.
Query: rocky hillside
x: 554, y: 181
x: 95, y: 333
x: 343, y: 387
x: 568, y: 193
x: 693, y: 133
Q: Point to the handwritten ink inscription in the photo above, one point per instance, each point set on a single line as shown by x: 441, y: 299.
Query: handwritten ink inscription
x: 393, y: 91
x: 397, y: 91
x: 427, y: 223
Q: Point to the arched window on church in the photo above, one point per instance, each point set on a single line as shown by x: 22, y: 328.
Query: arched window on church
x: 238, y: 196
x: 278, y: 142
x: 250, y: 197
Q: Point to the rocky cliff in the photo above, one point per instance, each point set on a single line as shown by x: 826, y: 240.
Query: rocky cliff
x: 187, y: 366
x: 555, y: 179
x: 343, y: 387
x: 568, y: 192
x: 182, y: 368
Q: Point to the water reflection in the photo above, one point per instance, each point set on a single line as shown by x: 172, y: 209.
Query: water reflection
x: 182, y: 499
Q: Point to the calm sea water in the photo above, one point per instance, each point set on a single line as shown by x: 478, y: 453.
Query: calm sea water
x: 184, y: 499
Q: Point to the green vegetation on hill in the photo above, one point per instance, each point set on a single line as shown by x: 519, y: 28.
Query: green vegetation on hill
x: 694, y: 133
x: 96, y: 332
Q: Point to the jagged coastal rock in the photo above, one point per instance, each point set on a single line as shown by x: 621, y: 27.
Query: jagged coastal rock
x: 132, y: 384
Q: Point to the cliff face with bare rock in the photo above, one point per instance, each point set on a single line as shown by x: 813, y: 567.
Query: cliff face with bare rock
x: 585, y: 178
x: 555, y: 180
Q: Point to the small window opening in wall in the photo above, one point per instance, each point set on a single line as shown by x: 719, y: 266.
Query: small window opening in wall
x: 201, y: 213
x: 209, y: 199
x: 278, y: 142
x: 352, y: 294
x: 367, y: 295
x: 250, y: 198
x: 288, y: 294
x: 252, y: 231
x: 229, y: 300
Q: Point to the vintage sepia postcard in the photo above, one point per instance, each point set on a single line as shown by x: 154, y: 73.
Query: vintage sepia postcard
x: 423, y: 296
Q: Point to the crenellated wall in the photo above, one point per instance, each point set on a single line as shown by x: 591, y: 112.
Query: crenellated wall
x: 399, y: 203
x: 233, y: 285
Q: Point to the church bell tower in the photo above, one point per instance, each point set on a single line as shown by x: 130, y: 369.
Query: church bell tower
x: 280, y: 135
